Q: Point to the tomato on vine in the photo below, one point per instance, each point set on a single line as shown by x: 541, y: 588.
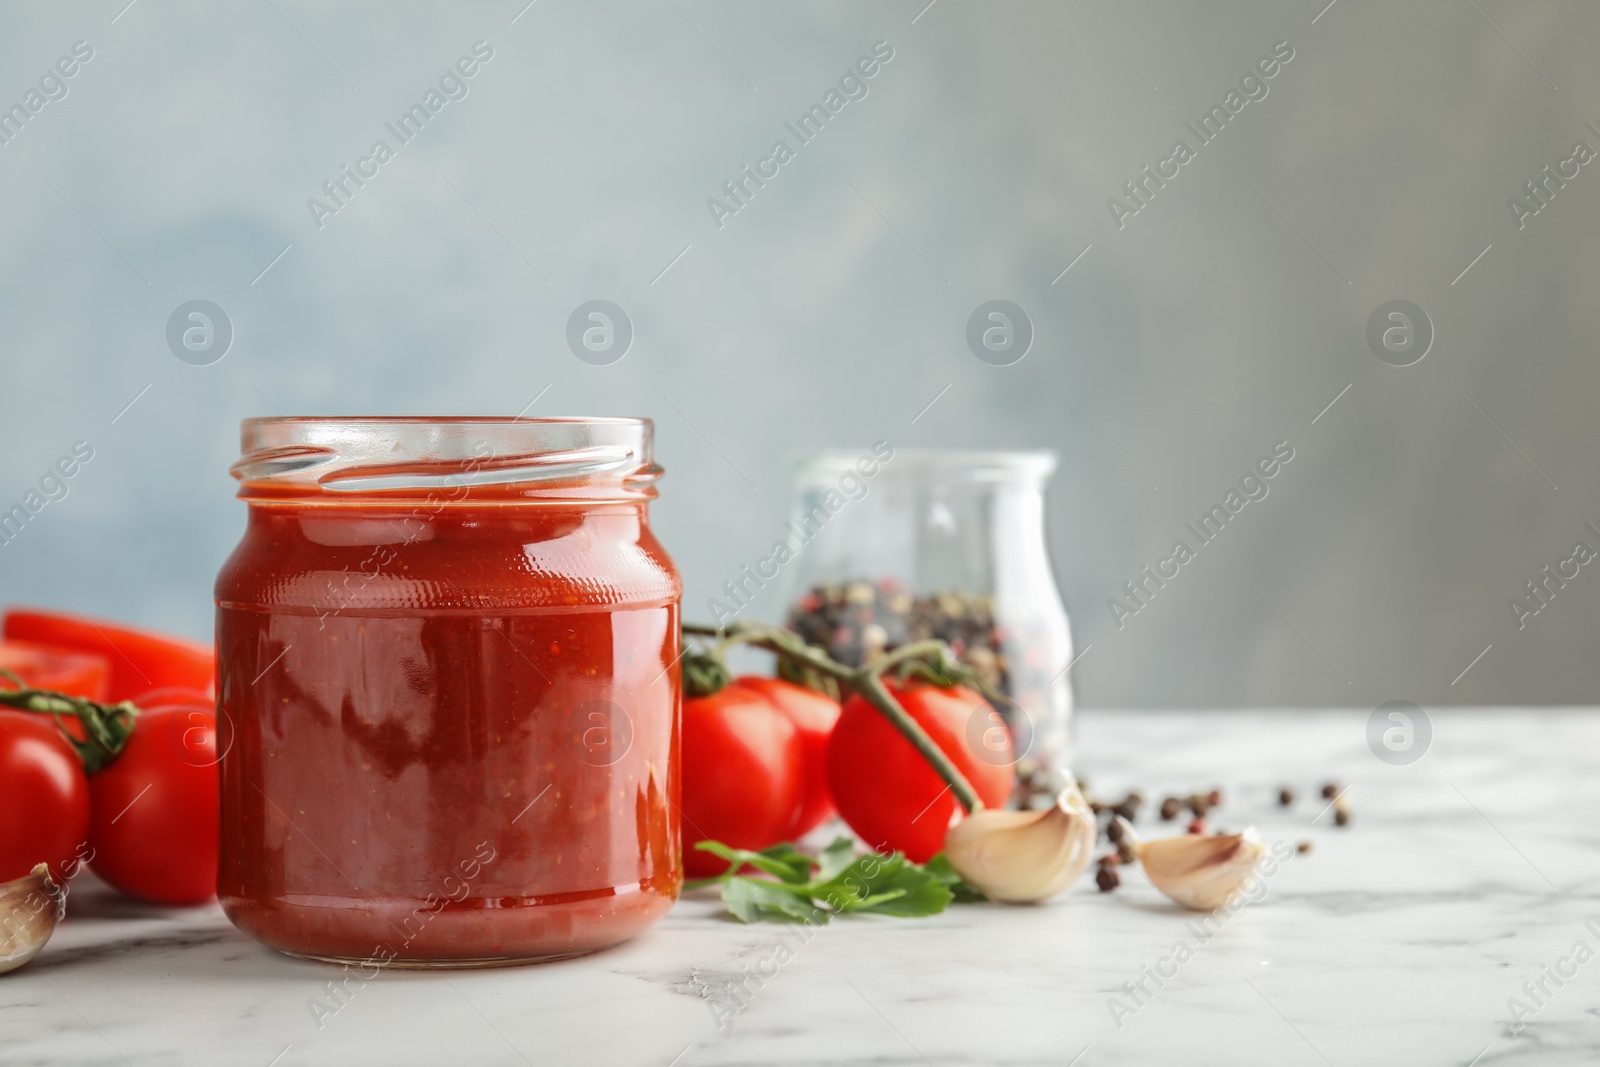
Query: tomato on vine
x: 44, y: 801
x: 885, y: 789
x: 133, y: 792
x: 154, y: 821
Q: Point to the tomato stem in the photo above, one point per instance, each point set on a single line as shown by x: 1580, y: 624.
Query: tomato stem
x: 106, y: 726
x: 866, y: 681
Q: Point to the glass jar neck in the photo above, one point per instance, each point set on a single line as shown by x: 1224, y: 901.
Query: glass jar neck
x: 443, y: 462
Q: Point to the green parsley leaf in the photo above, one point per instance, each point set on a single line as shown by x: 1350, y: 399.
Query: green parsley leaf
x: 963, y: 891
x: 835, y: 858
x: 844, y: 882
x: 752, y: 899
x: 784, y: 862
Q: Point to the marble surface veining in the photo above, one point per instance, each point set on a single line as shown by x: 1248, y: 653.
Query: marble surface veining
x: 1404, y: 938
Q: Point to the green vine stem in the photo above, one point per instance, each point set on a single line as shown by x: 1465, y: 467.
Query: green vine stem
x: 106, y: 727
x: 866, y: 681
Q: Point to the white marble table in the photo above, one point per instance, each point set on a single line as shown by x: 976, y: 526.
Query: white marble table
x: 1397, y: 940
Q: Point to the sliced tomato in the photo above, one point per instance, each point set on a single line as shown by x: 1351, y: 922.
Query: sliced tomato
x: 139, y: 660
x: 77, y: 674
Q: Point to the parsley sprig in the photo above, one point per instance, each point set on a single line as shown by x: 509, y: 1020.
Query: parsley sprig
x: 811, y: 889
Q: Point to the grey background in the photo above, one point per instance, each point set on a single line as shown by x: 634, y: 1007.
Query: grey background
x: 830, y: 311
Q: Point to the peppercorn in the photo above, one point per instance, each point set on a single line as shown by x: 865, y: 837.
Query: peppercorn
x: 1330, y: 791
x: 1199, y: 805
x: 1122, y: 835
x: 1107, y: 879
x: 1197, y: 826
x: 1214, y: 798
x: 1341, y: 812
x: 1303, y: 847
x: 1110, y: 859
x: 1285, y: 797
x: 1170, y: 808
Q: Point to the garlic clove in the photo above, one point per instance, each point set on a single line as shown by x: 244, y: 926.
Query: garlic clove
x: 1202, y: 872
x: 1023, y: 857
x: 30, y: 907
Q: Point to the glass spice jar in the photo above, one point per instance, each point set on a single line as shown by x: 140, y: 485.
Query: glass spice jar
x: 950, y: 545
x: 447, y: 658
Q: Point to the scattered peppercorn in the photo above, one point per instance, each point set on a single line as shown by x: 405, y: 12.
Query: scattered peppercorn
x: 1199, y: 805
x: 1128, y: 806
x: 1197, y: 826
x: 1341, y: 812
x: 1285, y: 797
x: 1170, y: 808
x: 1107, y: 879
x: 1330, y: 791
x: 1121, y: 834
x: 1303, y: 847
x: 1214, y: 798
x: 1110, y: 859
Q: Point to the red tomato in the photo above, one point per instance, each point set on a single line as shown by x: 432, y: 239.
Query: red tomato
x: 813, y: 715
x: 883, y: 787
x: 44, y: 797
x: 77, y: 674
x: 154, y: 823
x: 743, y: 775
x: 139, y: 660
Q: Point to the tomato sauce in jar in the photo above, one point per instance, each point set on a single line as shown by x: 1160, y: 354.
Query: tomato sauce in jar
x: 448, y: 685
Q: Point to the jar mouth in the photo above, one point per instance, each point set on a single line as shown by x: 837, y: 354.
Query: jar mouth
x: 333, y: 458
x: 932, y: 465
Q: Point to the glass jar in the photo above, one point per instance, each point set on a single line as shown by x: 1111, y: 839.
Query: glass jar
x: 901, y: 546
x: 447, y: 654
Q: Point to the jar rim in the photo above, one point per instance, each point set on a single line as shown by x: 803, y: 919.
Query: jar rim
x: 332, y: 458
x: 444, y: 420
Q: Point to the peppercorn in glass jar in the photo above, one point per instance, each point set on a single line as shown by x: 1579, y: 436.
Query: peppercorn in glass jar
x: 902, y: 546
x: 448, y: 690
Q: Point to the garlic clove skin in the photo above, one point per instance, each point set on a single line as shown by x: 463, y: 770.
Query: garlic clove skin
x: 30, y: 907
x: 1202, y: 872
x: 1024, y: 857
